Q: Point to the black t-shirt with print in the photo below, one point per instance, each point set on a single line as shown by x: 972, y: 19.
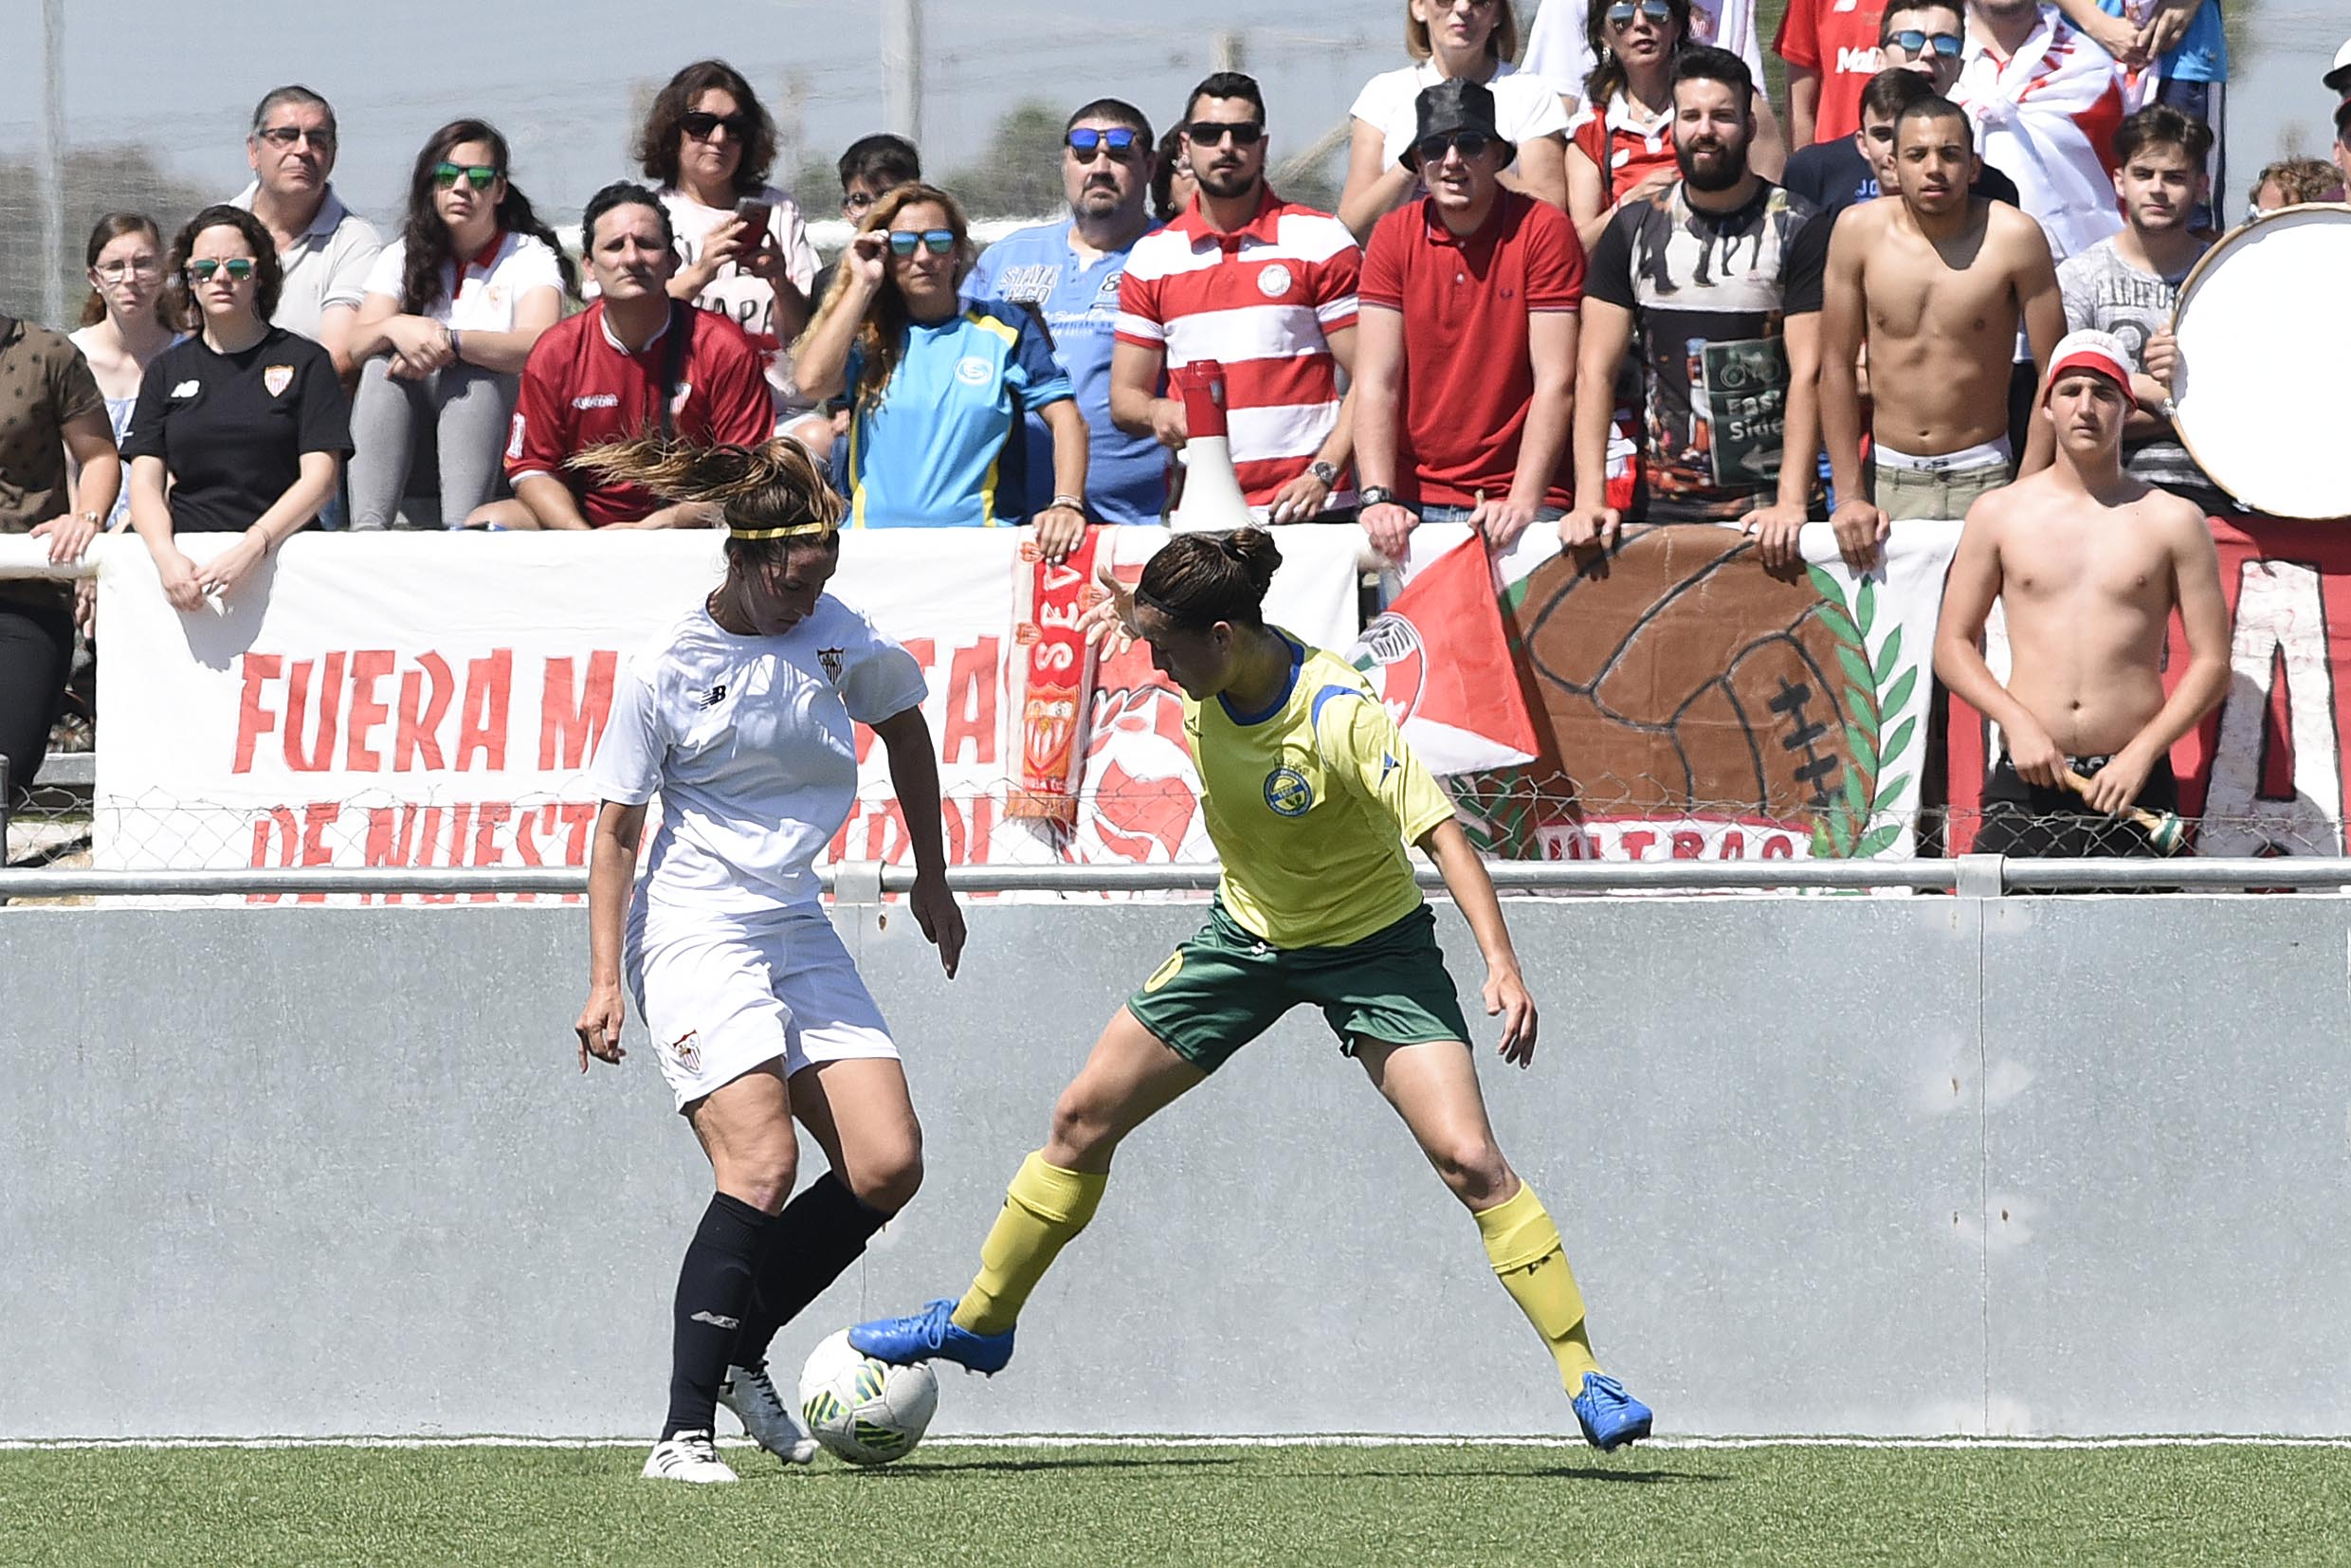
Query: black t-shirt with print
x: 232, y: 427
x: 1708, y: 292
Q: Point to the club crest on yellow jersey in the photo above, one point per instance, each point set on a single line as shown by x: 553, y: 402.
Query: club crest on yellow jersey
x: 1288, y: 793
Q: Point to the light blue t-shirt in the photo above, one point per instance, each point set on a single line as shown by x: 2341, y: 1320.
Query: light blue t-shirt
x: 1125, y: 475
x: 2203, y: 52
x: 933, y: 452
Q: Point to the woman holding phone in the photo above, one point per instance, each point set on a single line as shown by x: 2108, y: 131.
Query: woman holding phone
x: 707, y: 144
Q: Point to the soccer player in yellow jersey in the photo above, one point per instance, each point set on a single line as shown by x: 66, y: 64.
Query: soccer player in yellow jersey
x: 1311, y: 796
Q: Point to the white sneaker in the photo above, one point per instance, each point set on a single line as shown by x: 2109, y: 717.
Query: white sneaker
x: 769, y: 1422
x: 688, y: 1456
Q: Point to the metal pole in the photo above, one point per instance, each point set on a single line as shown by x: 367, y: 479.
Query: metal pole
x: 901, y: 69
x: 49, y: 162
x: 1226, y: 50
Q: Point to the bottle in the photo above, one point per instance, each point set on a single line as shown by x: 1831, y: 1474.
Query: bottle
x: 1212, y: 498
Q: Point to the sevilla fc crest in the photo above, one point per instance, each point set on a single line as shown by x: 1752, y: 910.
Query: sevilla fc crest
x: 1398, y: 669
x: 276, y: 378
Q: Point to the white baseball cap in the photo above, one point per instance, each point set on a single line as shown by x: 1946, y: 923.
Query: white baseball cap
x: 2338, y: 76
x: 2089, y: 350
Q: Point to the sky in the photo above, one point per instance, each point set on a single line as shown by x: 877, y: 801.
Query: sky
x: 562, y: 80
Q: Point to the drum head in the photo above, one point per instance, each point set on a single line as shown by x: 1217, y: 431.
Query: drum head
x: 2264, y: 324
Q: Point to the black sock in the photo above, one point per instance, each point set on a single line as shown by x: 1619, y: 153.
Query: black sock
x: 713, y: 1291
x: 819, y: 1233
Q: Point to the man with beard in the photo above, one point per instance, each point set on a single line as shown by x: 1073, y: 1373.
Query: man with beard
x: 2127, y: 286
x: 2089, y: 565
x: 1069, y: 274
x: 1938, y: 280
x: 1717, y: 277
x: 1264, y: 288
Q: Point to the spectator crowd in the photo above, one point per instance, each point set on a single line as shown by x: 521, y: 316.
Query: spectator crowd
x: 1582, y: 272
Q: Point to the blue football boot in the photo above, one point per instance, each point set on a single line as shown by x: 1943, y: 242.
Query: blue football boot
x: 931, y: 1335
x: 1609, y: 1417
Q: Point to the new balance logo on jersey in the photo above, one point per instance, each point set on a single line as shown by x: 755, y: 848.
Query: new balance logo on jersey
x: 715, y: 1320
x: 712, y: 698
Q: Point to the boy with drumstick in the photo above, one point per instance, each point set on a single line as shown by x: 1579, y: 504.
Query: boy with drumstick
x: 2089, y: 564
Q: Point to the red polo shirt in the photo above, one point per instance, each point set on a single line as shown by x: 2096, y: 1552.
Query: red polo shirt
x: 1468, y: 374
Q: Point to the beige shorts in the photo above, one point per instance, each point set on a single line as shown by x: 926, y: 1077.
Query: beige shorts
x: 1908, y: 488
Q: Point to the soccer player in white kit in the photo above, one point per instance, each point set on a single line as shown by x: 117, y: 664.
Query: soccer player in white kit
x: 739, y: 718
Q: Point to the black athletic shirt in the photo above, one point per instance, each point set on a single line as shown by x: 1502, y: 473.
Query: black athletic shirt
x: 1833, y: 175
x: 232, y: 427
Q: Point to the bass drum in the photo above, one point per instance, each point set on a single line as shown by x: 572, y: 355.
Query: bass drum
x: 2264, y: 324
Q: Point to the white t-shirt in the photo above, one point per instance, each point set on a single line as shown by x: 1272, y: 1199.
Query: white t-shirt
x: 749, y: 744
x: 743, y: 299
x: 1526, y: 108
x: 1557, y: 51
x: 485, y: 298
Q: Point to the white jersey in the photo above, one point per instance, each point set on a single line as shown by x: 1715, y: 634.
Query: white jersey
x: 748, y: 742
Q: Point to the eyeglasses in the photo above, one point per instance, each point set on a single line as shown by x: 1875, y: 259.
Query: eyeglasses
x: 1432, y: 149
x: 1119, y: 141
x: 138, y: 266
x: 1915, y: 41
x: 1208, y: 133
x: 481, y: 175
x: 240, y: 269
x: 1622, y: 13
x: 699, y: 124
x: 286, y: 136
x: 936, y: 241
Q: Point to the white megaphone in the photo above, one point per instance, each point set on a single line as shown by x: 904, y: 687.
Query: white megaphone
x: 1212, y: 498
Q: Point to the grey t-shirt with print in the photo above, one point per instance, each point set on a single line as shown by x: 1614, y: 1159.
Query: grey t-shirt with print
x: 2105, y: 292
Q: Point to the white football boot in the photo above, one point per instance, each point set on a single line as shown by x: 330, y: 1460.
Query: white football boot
x: 751, y: 1394
x: 689, y: 1456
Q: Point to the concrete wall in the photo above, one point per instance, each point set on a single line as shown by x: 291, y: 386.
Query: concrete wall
x: 1888, y: 1165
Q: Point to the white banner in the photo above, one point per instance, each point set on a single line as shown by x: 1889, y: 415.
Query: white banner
x: 433, y: 700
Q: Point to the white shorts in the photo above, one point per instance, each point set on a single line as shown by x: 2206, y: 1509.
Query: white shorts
x: 722, y: 996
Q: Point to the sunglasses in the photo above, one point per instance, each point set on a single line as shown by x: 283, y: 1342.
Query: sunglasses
x: 1119, y: 141
x: 1208, y: 133
x: 699, y: 124
x: 286, y: 136
x: 240, y: 269
x: 481, y: 175
x: 938, y: 241
x: 1432, y: 149
x: 1915, y: 41
x: 1622, y: 13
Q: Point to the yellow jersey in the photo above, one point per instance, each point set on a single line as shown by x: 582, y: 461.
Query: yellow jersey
x: 1310, y: 805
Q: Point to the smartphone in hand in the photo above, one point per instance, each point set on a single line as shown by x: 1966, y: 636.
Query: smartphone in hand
x: 755, y: 215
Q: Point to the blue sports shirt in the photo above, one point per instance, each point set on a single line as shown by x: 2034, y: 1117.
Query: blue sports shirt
x: 931, y: 453
x: 1125, y: 475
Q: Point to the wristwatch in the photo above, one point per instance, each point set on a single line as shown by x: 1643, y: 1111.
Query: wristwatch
x: 1326, y: 472
x: 1375, y: 495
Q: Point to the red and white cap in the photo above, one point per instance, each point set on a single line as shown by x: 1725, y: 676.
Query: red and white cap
x: 2088, y: 350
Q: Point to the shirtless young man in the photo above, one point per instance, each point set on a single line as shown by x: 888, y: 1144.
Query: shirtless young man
x: 1938, y: 279
x: 2089, y: 564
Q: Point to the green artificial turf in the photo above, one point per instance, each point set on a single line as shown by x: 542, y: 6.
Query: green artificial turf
x: 1128, y: 1506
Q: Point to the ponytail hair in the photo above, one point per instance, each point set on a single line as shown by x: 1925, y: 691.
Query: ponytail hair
x: 774, y: 494
x: 1200, y: 579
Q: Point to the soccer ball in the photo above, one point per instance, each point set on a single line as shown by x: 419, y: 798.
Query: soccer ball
x: 864, y: 1411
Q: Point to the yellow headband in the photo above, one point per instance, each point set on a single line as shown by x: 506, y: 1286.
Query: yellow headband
x: 795, y: 531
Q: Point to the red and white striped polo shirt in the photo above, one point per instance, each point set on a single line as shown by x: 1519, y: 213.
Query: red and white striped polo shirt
x: 1261, y: 301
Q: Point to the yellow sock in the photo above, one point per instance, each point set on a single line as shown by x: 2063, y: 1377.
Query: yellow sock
x: 1044, y: 1208
x: 1527, y: 1256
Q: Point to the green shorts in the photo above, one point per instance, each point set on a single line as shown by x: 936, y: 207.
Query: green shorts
x: 1223, y: 988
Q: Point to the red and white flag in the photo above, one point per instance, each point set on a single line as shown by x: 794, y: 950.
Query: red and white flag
x: 2048, y: 114
x: 1441, y: 663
